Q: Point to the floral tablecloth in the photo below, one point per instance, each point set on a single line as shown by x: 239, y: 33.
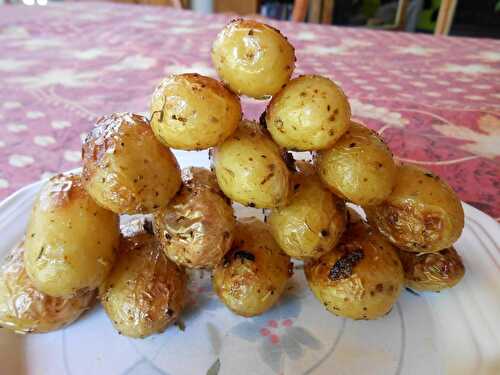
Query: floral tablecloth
x: 436, y: 100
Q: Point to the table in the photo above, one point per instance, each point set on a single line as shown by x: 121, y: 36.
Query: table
x: 435, y: 100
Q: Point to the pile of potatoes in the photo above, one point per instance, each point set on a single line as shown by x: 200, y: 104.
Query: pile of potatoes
x: 75, y: 252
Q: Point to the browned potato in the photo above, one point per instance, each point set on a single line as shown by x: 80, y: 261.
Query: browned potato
x: 252, y: 276
x: 193, y: 112
x: 70, y: 241
x: 361, y: 278
x: 196, y: 228
x: 253, y: 58
x: 422, y: 214
x: 359, y: 167
x: 24, y: 309
x: 310, y: 113
x: 125, y: 168
x: 145, y: 291
x: 432, y: 271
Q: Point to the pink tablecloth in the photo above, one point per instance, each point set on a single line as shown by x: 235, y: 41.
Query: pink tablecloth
x: 435, y: 100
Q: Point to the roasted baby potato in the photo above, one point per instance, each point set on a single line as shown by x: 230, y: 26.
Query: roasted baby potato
x: 70, y: 241
x: 145, y: 291
x: 196, y: 228
x: 24, y: 309
x: 250, y: 169
x: 359, y: 167
x: 361, y: 278
x: 253, y: 58
x: 312, y: 223
x: 193, y: 112
x: 125, y: 168
x: 252, y: 275
x: 422, y: 214
x: 432, y: 271
x: 309, y: 113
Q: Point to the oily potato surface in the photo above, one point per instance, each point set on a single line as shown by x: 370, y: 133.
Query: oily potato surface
x: 70, y: 240
x: 125, y: 168
x: 253, y: 58
x: 309, y: 113
x: 422, y: 214
x: 193, y: 112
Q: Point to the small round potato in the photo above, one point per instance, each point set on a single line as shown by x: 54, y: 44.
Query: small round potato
x: 253, y: 58
x: 359, y: 167
x: 252, y: 275
x: 310, y: 113
x: 432, y: 271
x: 196, y: 228
x: 193, y: 112
x: 145, y: 291
x: 422, y: 214
x: 125, y: 168
x: 312, y: 223
x: 250, y: 168
x: 70, y: 241
x: 24, y: 309
x: 361, y: 278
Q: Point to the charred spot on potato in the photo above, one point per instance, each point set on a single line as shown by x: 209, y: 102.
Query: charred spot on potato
x: 343, y: 267
x: 325, y: 232
x: 243, y: 255
x: 289, y: 161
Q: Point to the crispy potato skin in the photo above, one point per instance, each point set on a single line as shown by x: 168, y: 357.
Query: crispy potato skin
x: 359, y: 167
x: 196, y: 228
x: 361, y: 278
x: 24, y: 309
x: 422, y: 214
x: 432, y: 272
x: 252, y: 276
x: 193, y: 112
x: 250, y: 169
x: 253, y: 58
x: 309, y: 113
x: 70, y: 241
x: 145, y: 292
x: 125, y: 168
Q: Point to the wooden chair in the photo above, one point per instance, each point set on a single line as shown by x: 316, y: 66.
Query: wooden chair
x: 445, y: 17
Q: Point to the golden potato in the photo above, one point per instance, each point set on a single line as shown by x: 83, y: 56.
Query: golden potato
x: 193, y: 112
x: 312, y: 223
x: 250, y: 169
x: 24, y: 309
x: 145, y: 292
x: 196, y: 228
x: 310, y: 113
x: 252, y: 275
x: 359, y: 167
x: 253, y: 58
x: 70, y: 241
x: 432, y: 271
x: 125, y: 169
x: 422, y: 214
x: 361, y: 278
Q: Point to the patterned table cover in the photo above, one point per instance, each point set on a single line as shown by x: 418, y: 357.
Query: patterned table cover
x: 435, y: 100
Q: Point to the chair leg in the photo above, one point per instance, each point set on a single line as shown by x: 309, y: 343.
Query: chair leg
x: 445, y: 17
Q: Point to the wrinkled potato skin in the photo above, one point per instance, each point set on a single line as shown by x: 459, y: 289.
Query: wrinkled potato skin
x: 70, y: 241
x: 432, y: 272
x: 193, y: 112
x: 125, y: 168
x: 145, y: 291
x: 196, y: 228
x: 250, y: 169
x: 312, y: 223
x: 24, y: 309
x: 422, y: 214
x: 310, y: 113
x: 250, y: 287
x: 374, y: 284
x: 252, y: 58
x: 359, y: 167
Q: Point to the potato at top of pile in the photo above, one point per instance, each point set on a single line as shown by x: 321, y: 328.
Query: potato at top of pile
x: 253, y: 58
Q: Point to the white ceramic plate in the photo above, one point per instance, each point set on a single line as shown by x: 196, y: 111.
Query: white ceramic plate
x: 454, y: 332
